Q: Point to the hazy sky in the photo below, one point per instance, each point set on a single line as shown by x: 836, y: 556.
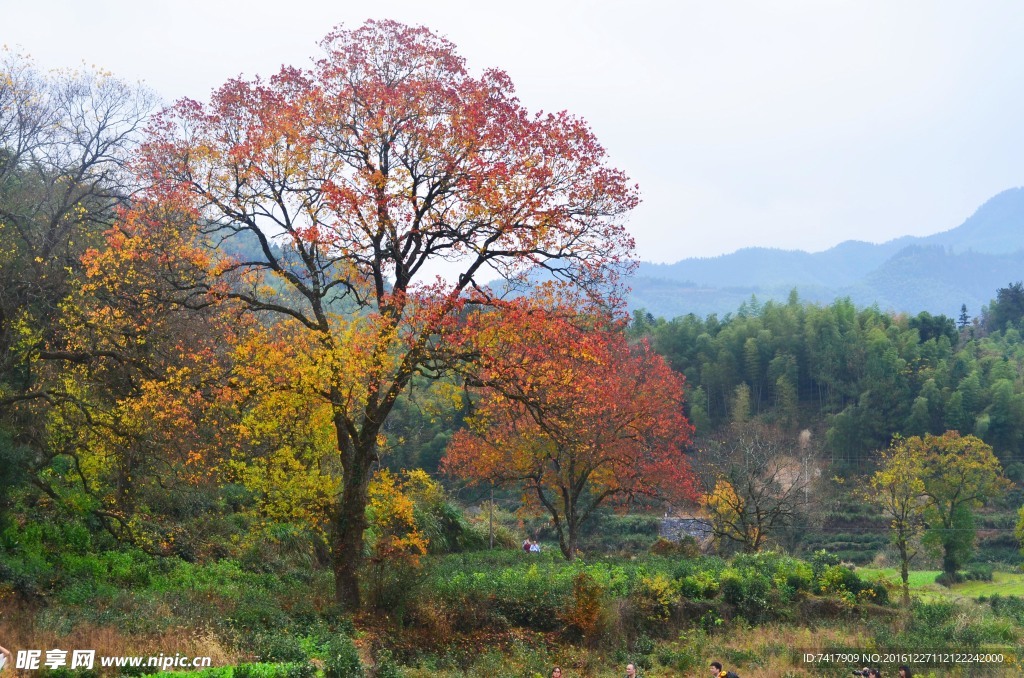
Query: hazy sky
x: 794, y: 124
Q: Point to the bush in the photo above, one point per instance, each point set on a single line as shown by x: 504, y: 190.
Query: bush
x: 978, y: 572
x: 275, y: 648
x: 699, y: 586
x: 257, y: 611
x: 799, y: 581
x: 638, y: 653
x: 839, y: 580
x: 710, y: 565
x: 392, y: 587
x: 686, y: 656
x: 288, y: 670
x: 654, y: 599
x: 732, y: 586
x: 386, y: 666
x: 524, y: 592
x: 1011, y: 607
x: 880, y: 592
x: 342, y: 660
x: 795, y: 575
x: 585, y: 612
x: 820, y: 561
x: 211, y: 672
x: 748, y: 593
x: 134, y: 671
x: 685, y: 660
x: 68, y: 673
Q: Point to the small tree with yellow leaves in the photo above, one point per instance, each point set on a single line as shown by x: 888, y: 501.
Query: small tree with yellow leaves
x: 394, y: 540
x: 897, y: 487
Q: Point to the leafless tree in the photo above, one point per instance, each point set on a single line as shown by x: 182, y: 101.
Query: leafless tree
x: 759, y: 480
x: 65, y: 143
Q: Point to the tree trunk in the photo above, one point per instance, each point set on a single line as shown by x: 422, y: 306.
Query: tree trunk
x: 950, y: 562
x: 347, y: 550
x: 349, y: 526
x: 905, y: 573
x: 571, y: 543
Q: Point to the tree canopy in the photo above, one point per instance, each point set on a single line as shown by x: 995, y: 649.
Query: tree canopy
x: 363, y: 179
x: 574, y: 414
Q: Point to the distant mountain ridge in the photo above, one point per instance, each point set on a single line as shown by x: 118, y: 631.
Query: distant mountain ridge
x: 935, y: 273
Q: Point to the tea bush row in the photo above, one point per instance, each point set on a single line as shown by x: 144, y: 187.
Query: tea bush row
x: 543, y: 592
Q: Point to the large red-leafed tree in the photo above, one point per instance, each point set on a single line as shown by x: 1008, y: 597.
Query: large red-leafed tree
x: 353, y: 185
x: 575, y: 414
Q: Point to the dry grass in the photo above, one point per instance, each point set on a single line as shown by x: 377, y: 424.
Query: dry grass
x: 20, y: 630
x: 775, y: 645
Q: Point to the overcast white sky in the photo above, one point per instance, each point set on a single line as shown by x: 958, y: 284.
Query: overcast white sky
x: 795, y: 124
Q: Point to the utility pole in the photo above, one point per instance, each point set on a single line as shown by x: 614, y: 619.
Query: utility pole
x: 807, y: 482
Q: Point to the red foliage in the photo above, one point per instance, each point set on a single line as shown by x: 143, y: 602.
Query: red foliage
x: 569, y: 408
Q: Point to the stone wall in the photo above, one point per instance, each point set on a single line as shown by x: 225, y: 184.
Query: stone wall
x: 675, y: 529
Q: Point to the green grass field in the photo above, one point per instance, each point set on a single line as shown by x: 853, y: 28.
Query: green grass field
x: 922, y: 583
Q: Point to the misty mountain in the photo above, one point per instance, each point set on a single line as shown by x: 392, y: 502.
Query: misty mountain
x: 936, y: 273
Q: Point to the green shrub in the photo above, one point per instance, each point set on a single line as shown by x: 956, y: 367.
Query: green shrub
x: 978, y: 572
x: 797, y: 581
x: 386, y: 666
x: 342, y: 659
x: 211, y: 672
x: 820, y: 561
x: 710, y: 565
x: 250, y: 671
x: 880, y: 592
x: 530, y: 592
x: 639, y: 653
x: 287, y: 670
x: 765, y: 563
x: 698, y: 586
x: 277, y: 647
x: 138, y: 670
x: 839, y: 580
x: 129, y: 568
x: 1010, y: 607
x: 997, y: 630
x: 748, y: 593
x: 731, y: 583
x: 257, y: 611
x: 946, y: 624
x: 795, y: 575
x: 68, y: 673
x: 392, y: 587
x: 300, y: 670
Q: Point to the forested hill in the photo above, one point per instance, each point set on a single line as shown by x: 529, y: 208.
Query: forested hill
x: 936, y: 273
